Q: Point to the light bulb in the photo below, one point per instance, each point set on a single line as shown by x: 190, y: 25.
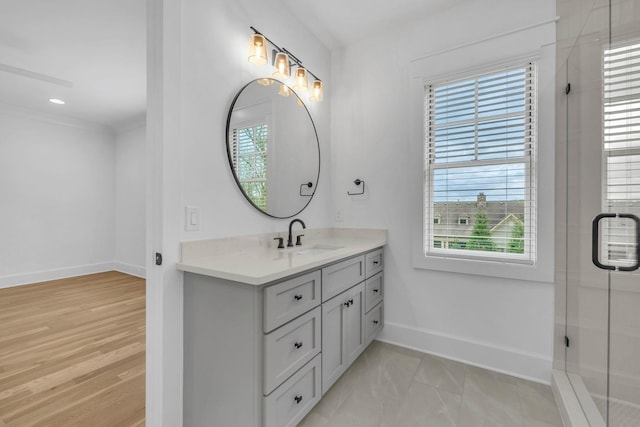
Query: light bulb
x: 316, y: 91
x: 258, y: 49
x: 301, y: 82
x: 281, y: 65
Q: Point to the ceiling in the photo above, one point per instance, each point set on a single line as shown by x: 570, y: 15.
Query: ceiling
x: 340, y: 22
x: 92, y: 54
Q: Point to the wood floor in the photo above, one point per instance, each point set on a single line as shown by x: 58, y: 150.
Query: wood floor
x: 72, y: 353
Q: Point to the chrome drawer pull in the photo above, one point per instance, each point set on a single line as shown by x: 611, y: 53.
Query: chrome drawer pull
x: 298, y: 399
x: 375, y: 322
x: 297, y: 297
x: 298, y: 345
x: 375, y: 290
x: 376, y: 262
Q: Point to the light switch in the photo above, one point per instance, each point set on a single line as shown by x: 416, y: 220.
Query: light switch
x: 192, y: 218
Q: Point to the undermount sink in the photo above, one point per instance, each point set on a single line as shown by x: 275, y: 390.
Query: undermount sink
x: 317, y: 249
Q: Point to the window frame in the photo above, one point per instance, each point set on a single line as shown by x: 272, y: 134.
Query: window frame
x: 528, y: 159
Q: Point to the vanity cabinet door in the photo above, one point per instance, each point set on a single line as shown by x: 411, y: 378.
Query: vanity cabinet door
x: 355, y: 339
x: 334, y: 351
x: 342, y: 333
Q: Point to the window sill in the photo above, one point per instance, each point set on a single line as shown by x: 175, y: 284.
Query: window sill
x: 493, y: 268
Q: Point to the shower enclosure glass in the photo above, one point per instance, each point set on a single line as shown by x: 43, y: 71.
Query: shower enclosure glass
x: 598, y: 169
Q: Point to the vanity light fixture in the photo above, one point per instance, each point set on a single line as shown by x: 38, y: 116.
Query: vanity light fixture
x: 56, y: 101
x: 283, y: 60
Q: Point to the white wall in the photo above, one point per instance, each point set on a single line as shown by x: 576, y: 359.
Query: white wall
x: 504, y: 324
x: 57, y: 186
x: 198, y: 63
x: 130, y: 200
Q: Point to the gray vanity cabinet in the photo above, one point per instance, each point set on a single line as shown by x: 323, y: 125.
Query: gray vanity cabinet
x: 262, y: 356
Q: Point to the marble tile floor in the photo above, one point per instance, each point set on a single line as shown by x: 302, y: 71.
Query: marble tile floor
x: 397, y: 387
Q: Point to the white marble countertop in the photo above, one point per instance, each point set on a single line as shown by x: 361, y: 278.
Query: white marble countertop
x: 256, y: 260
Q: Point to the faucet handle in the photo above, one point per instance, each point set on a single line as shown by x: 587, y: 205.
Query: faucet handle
x: 280, y: 242
x: 298, y: 241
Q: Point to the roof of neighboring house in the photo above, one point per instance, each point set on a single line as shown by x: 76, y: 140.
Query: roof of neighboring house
x: 496, y: 212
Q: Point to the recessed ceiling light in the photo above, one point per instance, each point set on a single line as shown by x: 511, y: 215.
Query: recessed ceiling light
x: 56, y: 101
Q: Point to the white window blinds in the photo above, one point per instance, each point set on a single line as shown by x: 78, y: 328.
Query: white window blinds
x: 479, y: 164
x: 249, y: 156
x: 621, y: 126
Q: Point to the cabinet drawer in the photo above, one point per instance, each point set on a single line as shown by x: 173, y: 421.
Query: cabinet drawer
x: 288, y: 348
x: 339, y: 277
x: 373, y: 322
x: 374, y: 290
x: 374, y: 262
x: 289, y: 299
x: 290, y: 402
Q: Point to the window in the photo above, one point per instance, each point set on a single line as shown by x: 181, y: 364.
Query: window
x: 250, y: 161
x: 621, y: 125
x: 480, y: 138
x: 436, y: 220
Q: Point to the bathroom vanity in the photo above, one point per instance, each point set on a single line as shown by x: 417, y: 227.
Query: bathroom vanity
x: 268, y: 331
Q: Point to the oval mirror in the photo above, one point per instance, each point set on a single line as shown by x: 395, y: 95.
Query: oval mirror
x: 273, y: 148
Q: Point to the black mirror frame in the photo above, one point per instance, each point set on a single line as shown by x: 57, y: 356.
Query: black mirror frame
x: 235, y: 176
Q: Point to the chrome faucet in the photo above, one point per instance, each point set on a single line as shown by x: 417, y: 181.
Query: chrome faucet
x: 290, y: 239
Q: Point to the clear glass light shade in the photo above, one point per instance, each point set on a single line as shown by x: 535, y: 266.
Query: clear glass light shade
x: 284, y: 90
x: 281, y: 65
x: 301, y: 83
x: 258, y: 49
x: 316, y: 91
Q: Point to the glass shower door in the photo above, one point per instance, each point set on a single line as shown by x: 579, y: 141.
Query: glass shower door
x: 603, y: 206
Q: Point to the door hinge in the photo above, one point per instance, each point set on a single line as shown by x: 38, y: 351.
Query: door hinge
x: 567, y: 88
x: 566, y: 341
x: 158, y: 258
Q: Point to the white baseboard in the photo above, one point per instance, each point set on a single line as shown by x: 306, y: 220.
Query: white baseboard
x: 55, y: 274
x: 533, y: 367
x: 133, y: 270
x: 63, y: 273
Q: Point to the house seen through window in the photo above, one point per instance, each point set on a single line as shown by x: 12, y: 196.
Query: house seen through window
x: 479, y: 166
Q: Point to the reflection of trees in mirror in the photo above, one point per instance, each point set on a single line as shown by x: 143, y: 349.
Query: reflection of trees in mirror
x: 250, y: 161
